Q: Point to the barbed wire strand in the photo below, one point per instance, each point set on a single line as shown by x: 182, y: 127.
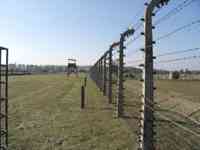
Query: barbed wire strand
x: 175, y: 11
x: 178, y: 29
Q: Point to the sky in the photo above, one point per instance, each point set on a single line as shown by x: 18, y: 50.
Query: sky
x: 50, y: 32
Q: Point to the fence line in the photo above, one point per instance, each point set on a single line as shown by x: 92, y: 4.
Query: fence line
x: 112, y: 72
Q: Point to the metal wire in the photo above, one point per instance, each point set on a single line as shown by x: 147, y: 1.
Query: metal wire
x: 178, y: 29
x: 178, y: 59
x: 175, y: 11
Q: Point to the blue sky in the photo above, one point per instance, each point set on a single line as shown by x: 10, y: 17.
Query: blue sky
x: 49, y: 32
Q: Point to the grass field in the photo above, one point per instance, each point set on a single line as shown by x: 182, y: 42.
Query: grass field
x: 45, y: 114
x: 177, y: 113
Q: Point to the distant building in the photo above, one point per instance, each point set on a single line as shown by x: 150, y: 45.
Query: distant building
x: 178, y: 75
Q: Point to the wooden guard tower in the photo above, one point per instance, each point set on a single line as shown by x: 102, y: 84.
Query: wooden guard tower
x: 72, y: 67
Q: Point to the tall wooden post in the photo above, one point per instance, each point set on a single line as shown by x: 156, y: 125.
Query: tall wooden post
x: 82, y: 97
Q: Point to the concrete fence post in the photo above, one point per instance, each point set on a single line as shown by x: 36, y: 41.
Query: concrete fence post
x: 147, y: 112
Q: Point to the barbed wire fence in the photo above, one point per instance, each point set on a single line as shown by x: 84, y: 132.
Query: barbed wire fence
x: 143, y: 85
x: 175, y: 129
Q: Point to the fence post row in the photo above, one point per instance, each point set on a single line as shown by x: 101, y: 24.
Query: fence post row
x: 147, y: 116
x: 147, y: 119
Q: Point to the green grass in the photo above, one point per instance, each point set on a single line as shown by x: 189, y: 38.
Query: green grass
x: 176, y: 100
x: 45, y: 114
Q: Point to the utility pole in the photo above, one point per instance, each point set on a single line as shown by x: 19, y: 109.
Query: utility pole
x: 147, y: 116
x: 120, y: 84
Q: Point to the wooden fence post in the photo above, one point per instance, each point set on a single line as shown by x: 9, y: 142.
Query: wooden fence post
x: 85, y: 81
x: 82, y: 97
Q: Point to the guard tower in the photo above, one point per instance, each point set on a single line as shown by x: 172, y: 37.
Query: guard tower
x: 72, y: 67
x: 3, y: 98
